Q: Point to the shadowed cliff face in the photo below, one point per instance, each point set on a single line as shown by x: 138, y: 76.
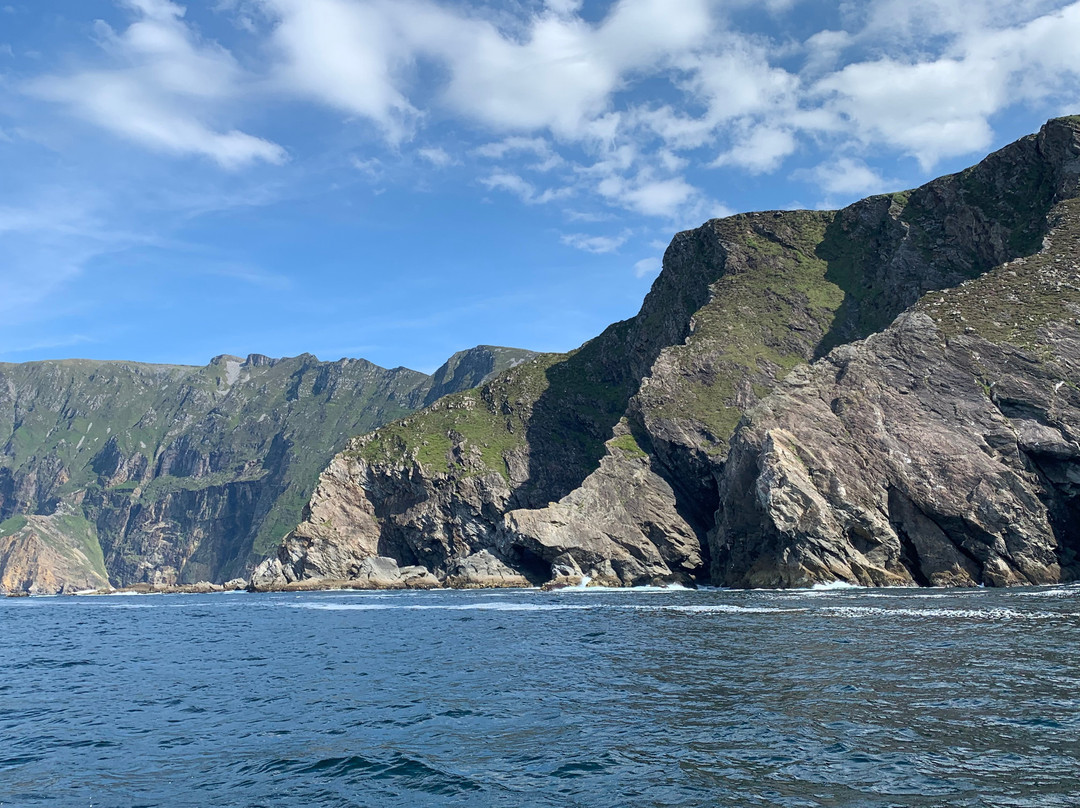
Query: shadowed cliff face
x: 168, y: 474
x: 613, y: 461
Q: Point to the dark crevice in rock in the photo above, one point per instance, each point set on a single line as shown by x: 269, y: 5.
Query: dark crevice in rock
x: 529, y: 564
x: 392, y: 544
x: 1061, y: 495
x: 909, y: 553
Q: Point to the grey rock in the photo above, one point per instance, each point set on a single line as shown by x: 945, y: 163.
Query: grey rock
x: 483, y: 570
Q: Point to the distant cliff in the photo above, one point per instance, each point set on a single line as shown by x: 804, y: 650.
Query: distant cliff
x: 126, y: 473
x: 886, y: 394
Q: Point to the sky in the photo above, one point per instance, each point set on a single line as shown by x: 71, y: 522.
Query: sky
x: 401, y: 179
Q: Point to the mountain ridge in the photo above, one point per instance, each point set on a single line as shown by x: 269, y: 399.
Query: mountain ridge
x: 177, y: 473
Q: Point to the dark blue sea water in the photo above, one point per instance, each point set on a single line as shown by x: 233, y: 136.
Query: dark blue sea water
x: 520, y: 698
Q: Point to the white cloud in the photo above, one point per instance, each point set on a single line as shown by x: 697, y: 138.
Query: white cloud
x: 929, y: 110
x: 587, y: 216
x: 823, y: 50
x: 373, y: 167
x: 348, y: 55
x: 565, y: 103
x: 523, y: 189
x: 557, y: 73
x: 670, y: 198
x: 647, y: 266
x: 845, y: 177
x: 941, y: 107
x: 594, y: 244
x: 515, y: 144
x: 510, y: 183
x: 764, y: 149
x: 171, y: 87
x: 564, y: 7
x: 437, y: 156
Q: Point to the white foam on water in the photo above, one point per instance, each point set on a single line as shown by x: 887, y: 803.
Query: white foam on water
x: 962, y: 614
x: 1058, y: 592
x: 445, y: 607
x: 910, y: 592
x: 621, y: 590
x: 835, y: 585
x: 830, y: 587
x: 723, y: 608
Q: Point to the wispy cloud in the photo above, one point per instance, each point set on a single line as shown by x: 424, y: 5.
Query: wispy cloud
x: 436, y: 156
x: 523, y: 189
x: 646, y: 267
x: 165, y: 91
x: 546, y: 89
x: 43, y: 345
x: 845, y: 177
x: 594, y: 244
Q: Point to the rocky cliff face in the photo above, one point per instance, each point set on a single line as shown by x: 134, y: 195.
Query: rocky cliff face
x: 625, y: 461
x: 127, y: 473
x: 943, y: 451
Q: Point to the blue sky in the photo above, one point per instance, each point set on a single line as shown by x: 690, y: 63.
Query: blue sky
x: 400, y: 179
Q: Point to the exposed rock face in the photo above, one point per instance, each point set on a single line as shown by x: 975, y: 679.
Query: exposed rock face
x: 612, y: 462
x: 45, y: 555
x: 173, y: 475
x: 939, y: 452
x: 620, y: 528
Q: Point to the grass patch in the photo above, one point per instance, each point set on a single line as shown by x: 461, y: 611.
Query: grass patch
x: 628, y: 445
x: 12, y: 525
x: 766, y: 315
x: 491, y: 420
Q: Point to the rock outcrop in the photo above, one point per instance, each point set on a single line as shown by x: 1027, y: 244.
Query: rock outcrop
x: 873, y: 461
x: 943, y: 451
x: 169, y: 475
x: 44, y: 555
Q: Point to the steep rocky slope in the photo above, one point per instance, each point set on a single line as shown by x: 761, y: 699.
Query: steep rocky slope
x: 613, y: 461
x: 129, y: 473
x: 943, y: 451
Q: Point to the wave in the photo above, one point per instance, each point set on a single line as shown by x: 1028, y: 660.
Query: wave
x: 719, y: 608
x: 446, y: 607
x: 963, y: 614
x: 1062, y: 592
x: 832, y: 586
x: 724, y: 608
x: 621, y: 590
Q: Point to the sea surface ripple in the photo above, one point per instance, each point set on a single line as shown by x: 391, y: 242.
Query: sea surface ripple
x: 830, y: 697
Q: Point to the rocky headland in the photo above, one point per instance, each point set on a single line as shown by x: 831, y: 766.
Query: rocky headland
x: 886, y: 394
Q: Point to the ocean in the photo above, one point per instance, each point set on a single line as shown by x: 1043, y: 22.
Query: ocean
x: 583, y: 697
